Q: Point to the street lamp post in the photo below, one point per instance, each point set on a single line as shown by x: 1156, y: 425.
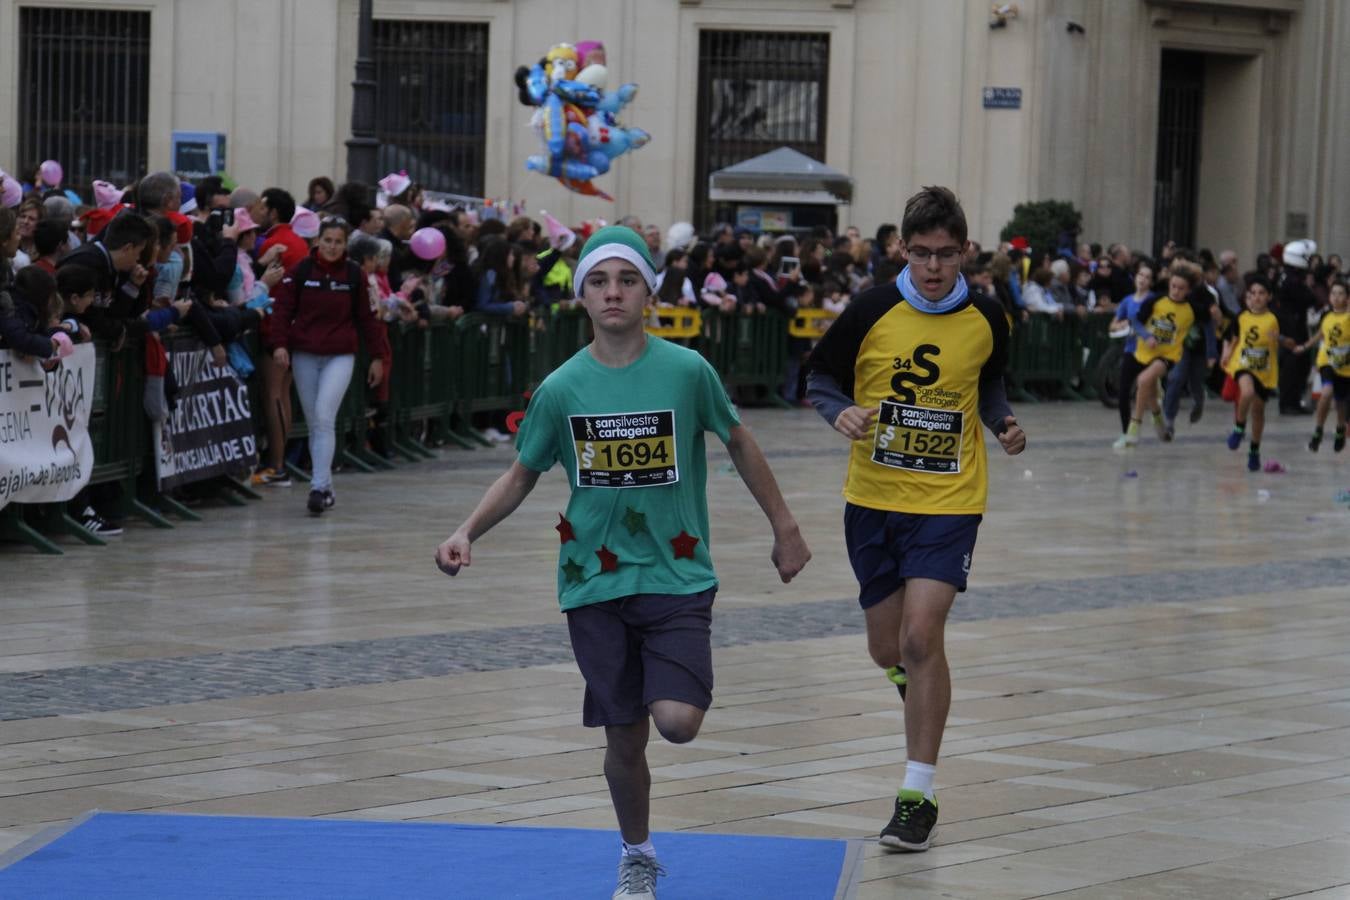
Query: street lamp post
x: 363, y: 145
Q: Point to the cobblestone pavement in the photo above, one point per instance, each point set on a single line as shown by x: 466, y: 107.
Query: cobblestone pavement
x: 221, y: 676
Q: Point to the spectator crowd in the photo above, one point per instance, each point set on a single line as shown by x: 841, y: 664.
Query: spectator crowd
x: 313, y: 276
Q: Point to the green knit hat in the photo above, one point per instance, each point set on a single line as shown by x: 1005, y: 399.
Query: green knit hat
x: 611, y: 242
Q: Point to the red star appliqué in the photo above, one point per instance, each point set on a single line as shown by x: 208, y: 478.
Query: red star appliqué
x: 564, y: 529
x: 608, y: 561
x: 684, y: 545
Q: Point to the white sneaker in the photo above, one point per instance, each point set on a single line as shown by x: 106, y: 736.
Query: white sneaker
x: 637, y: 877
x: 496, y: 436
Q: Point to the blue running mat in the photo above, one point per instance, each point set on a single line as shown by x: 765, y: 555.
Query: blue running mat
x: 121, y: 856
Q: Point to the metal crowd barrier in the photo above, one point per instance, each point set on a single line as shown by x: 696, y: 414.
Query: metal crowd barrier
x: 445, y: 373
x: 1049, y: 359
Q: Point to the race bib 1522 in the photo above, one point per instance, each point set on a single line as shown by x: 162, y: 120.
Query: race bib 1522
x: 918, y: 438
x: 620, y: 450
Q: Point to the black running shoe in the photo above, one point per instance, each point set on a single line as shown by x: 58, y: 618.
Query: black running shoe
x: 1315, y: 441
x: 897, y: 677
x: 912, y: 826
x: 97, y: 525
x: 1338, y: 443
x: 329, y: 501
x: 315, y: 504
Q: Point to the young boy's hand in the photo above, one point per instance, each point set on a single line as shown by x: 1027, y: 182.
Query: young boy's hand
x: 452, y: 554
x: 1013, y: 439
x: 853, y: 422
x: 790, y: 553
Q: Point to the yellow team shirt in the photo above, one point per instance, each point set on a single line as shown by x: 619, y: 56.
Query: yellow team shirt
x: 1168, y: 321
x: 925, y: 452
x: 1257, y: 347
x: 1334, y: 349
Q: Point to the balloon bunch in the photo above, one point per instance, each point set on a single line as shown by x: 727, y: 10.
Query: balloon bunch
x: 576, y: 116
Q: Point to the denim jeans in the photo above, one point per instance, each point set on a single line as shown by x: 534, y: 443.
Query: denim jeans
x: 1189, y: 373
x: 321, y: 382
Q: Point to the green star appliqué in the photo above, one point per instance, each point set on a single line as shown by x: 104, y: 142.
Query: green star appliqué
x: 572, y: 571
x: 634, y: 521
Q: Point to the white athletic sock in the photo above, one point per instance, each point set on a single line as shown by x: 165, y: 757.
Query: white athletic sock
x: 919, y: 777
x: 645, y: 848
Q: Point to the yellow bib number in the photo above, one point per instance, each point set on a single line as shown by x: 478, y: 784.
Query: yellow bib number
x: 622, y: 450
x: 1255, y: 359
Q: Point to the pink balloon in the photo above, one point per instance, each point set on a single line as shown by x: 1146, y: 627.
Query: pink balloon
x: 11, y: 193
x: 428, y: 243
x: 64, y: 346
x: 51, y: 173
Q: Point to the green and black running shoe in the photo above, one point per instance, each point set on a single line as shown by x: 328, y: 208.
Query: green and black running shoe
x: 912, y: 826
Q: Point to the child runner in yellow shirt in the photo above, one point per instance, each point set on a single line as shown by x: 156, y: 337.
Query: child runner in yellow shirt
x: 1333, y: 364
x: 1250, y: 355
x: 1167, y: 320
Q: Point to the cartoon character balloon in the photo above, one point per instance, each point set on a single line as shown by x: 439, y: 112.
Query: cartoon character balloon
x: 576, y: 116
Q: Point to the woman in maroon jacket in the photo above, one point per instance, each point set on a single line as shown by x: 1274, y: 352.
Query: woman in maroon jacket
x: 319, y: 306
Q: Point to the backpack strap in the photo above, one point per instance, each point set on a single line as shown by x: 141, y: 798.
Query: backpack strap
x: 356, y: 278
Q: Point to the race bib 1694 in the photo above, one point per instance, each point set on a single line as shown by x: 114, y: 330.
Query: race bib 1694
x: 620, y: 450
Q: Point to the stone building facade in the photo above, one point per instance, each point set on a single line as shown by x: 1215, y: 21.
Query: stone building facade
x: 1218, y: 122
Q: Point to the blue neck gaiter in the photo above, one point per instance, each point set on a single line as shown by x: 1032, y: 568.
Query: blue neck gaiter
x: 923, y: 304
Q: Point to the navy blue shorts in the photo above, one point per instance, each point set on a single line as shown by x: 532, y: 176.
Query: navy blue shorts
x: 635, y: 650
x: 885, y: 548
x: 1339, y: 384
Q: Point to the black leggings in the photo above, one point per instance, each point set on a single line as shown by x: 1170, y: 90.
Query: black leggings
x: 1129, y: 371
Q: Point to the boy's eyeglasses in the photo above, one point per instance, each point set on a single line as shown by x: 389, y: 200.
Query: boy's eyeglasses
x: 948, y: 256
x: 333, y: 220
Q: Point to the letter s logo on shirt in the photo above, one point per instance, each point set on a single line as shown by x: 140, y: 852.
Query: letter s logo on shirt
x: 904, y: 382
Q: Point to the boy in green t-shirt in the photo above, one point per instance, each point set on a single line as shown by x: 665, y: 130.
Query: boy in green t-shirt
x: 625, y: 416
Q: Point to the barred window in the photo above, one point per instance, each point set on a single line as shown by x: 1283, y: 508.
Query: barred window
x: 84, y: 93
x: 757, y: 91
x: 431, y: 111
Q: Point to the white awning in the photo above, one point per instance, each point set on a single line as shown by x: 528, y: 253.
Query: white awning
x: 780, y: 176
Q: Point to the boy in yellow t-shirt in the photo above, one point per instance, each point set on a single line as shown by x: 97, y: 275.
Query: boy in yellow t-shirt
x: 1167, y: 320
x: 1250, y: 355
x: 1333, y: 364
x: 911, y: 373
